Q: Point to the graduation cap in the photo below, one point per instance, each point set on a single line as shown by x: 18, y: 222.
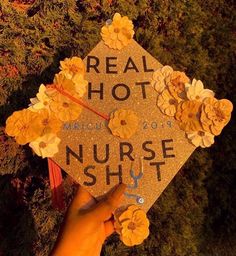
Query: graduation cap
x: 119, y: 83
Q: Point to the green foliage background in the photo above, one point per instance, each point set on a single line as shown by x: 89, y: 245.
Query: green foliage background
x: 196, y: 215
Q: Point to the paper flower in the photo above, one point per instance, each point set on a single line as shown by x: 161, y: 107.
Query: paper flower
x: 24, y: 126
x: 119, y: 33
x: 76, y: 86
x: 61, y: 82
x: 132, y: 225
x: 166, y: 103
x: 80, y: 85
x: 41, y: 100
x: 176, y: 84
x: 50, y: 123
x: 123, y: 123
x: 196, y: 91
x: 201, y: 138
x: 215, y: 114
x: 65, y: 109
x: 72, y: 66
x: 158, y: 78
x: 188, y: 115
x: 46, y: 146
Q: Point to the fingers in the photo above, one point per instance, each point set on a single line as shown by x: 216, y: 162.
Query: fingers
x: 104, y: 209
x: 82, y: 200
x: 109, y: 227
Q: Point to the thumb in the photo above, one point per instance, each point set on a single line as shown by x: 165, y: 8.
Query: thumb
x: 82, y: 200
x: 104, y: 209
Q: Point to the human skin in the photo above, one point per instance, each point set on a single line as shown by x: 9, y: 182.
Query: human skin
x: 87, y: 223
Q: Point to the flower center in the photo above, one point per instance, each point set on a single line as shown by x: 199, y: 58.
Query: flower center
x: 42, y: 144
x: 172, y: 101
x: 45, y: 121
x: 201, y: 133
x: 117, y: 30
x: 65, y: 104
x: 24, y: 127
x: 131, y: 226
x: 197, y: 97
x: 190, y: 115
x: 123, y: 122
x: 45, y: 103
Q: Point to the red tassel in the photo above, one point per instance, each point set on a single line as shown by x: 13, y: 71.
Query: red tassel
x: 55, y: 178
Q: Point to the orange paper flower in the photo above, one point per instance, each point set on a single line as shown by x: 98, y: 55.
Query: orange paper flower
x: 176, y: 84
x: 72, y: 66
x: 80, y: 85
x: 24, y: 125
x: 188, y: 115
x: 50, y: 123
x: 119, y: 33
x: 132, y: 225
x: 65, y: 109
x: 76, y: 86
x: 123, y: 123
x: 215, y: 114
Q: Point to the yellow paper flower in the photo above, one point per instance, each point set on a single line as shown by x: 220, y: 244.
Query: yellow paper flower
x: 119, y: 33
x: 65, y: 109
x: 132, y: 225
x: 188, y: 115
x: 166, y: 103
x: 196, y: 91
x: 176, y: 84
x: 24, y: 126
x: 80, y: 85
x: 123, y: 123
x: 61, y: 82
x: 72, y: 66
x: 76, y: 86
x: 201, y: 138
x: 50, y: 123
x: 41, y: 100
x: 215, y: 114
x: 46, y: 146
x: 158, y: 78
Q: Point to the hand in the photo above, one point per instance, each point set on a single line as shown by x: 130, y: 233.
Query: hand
x: 87, y: 223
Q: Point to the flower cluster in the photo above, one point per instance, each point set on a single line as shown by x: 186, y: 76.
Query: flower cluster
x: 40, y: 123
x: 118, y: 33
x: 196, y: 109
x: 132, y: 225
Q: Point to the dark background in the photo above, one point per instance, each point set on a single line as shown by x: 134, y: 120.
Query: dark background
x: 196, y: 215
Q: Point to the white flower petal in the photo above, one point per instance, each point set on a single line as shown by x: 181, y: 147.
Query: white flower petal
x: 196, y: 91
x: 206, y: 93
x: 199, y: 86
x: 166, y: 70
x: 51, y: 145
x: 196, y: 141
